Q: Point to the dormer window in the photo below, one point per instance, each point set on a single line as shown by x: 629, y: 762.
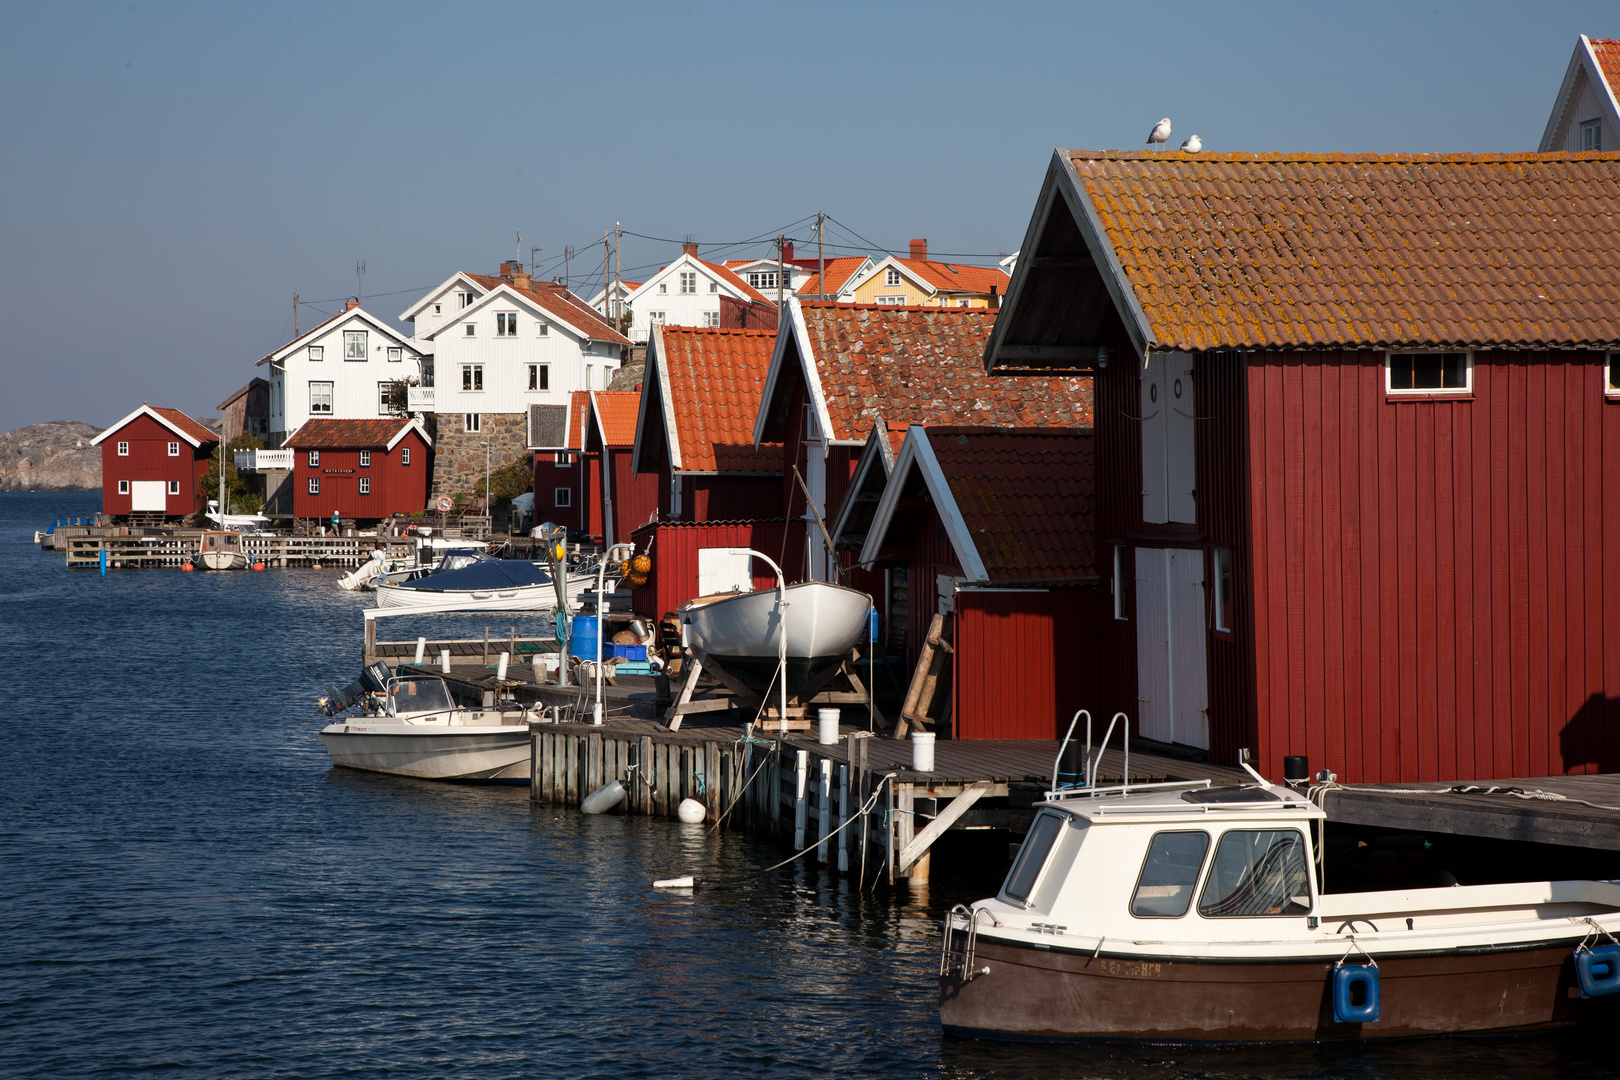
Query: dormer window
x: 506, y: 324
x: 1591, y: 135
x: 891, y: 277
x: 762, y: 279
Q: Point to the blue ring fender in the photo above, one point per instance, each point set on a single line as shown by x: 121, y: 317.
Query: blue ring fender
x: 1352, y: 981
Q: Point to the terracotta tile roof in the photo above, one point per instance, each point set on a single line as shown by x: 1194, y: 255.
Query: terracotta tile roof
x: 716, y: 378
x: 1607, y: 51
x: 557, y: 300
x: 346, y: 434
x: 955, y: 277
x: 730, y: 277
x: 186, y: 424
x: 839, y: 271
x: 1025, y: 495
x: 617, y: 411
x: 1327, y: 250
x: 579, y: 403
x: 925, y: 365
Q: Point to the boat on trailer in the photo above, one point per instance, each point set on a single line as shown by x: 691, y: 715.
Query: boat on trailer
x: 1177, y: 912
x: 414, y: 728
x: 743, y: 630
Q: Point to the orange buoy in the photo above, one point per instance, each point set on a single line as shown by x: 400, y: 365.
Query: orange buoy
x: 187, y: 567
x: 258, y: 566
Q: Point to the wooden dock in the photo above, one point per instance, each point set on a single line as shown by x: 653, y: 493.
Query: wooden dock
x: 129, y: 549
x: 1496, y: 809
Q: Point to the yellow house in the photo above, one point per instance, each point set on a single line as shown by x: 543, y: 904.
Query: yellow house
x: 921, y: 282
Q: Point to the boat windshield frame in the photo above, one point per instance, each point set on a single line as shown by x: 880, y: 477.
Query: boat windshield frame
x: 446, y: 708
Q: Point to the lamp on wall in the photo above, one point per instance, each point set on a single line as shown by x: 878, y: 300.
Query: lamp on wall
x: 1102, y: 357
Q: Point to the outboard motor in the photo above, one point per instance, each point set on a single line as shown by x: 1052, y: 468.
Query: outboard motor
x: 373, y: 680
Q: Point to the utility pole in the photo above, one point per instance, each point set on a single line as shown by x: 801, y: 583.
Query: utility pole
x: 359, y: 278
x: 568, y: 257
x: 607, y: 271
x: 517, y: 246
x: 617, y: 232
x: 781, y: 269
x: 534, y: 263
x: 821, y: 253
x: 295, y: 316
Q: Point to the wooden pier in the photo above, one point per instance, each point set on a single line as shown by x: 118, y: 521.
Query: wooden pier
x: 1566, y: 811
x: 128, y: 549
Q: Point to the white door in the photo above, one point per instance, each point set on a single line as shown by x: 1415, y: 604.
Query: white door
x: 1168, y: 458
x: 148, y: 495
x: 1172, y: 683
x: 721, y: 570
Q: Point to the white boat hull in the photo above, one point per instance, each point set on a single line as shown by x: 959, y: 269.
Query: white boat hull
x: 824, y: 621
x: 432, y: 752
x: 517, y: 598
x: 224, y: 560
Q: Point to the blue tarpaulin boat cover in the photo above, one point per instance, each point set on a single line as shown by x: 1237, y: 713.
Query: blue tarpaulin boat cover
x: 483, y: 575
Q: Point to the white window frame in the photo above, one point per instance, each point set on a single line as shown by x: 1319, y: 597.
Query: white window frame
x: 1611, y: 375
x: 1220, y: 590
x: 892, y: 301
x: 542, y: 328
x: 354, y: 345
x: 317, y: 353
x: 714, y: 286
x: 891, y: 276
x: 438, y: 309
x: 711, y: 319
x: 174, y: 449
x: 404, y: 455
x: 466, y: 299
x: 123, y: 449
x: 123, y: 487
x: 663, y: 287
x: 688, y: 282
x: 395, y: 354
x: 562, y: 498
x: 562, y: 461
x: 365, y: 485
x: 963, y: 301
x: 539, y: 377
x: 314, y: 459
x: 506, y: 324
x: 314, y: 486
x: 659, y: 317
x: 472, y: 423
x: 1120, y: 587
x: 382, y: 398
x: 1466, y: 389
x: 762, y: 279
x: 1595, y: 129
x: 365, y: 459
x: 174, y: 487
x: 470, y: 331
x: 472, y: 378
x: 315, y: 408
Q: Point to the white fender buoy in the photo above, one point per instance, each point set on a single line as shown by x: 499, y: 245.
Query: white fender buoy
x: 691, y: 811
x: 604, y: 798
x: 675, y: 883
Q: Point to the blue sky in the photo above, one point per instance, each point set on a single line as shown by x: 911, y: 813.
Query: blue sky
x: 170, y: 174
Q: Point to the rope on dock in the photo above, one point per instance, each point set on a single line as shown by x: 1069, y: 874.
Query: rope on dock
x: 1319, y: 793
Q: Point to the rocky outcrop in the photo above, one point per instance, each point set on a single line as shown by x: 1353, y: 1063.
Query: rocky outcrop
x: 54, y: 456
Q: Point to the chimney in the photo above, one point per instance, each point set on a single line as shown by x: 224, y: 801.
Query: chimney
x: 919, y: 250
x: 690, y: 248
x: 351, y: 305
x: 787, y: 251
x: 510, y: 268
x: 521, y: 280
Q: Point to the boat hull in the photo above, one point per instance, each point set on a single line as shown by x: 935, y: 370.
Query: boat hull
x: 743, y: 632
x: 224, y: 560
x: 517, y: 598
x: 1053, y: 994
x: 486, y: 752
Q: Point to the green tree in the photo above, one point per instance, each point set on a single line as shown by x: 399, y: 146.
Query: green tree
x: 243, y: 493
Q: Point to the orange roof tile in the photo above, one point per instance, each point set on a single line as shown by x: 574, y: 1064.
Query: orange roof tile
x: 716, y: 378
x: 557, y: 300
x: 1026, y: 496
x: 320, y: 434
x: 616, y: 410
x: 839, y: 271
x: 925, y: 365
x: 730, y: 277
x: 957, y: 278
x: 1607, y: 51
x: 1328, y: 250
x: 186, y: 424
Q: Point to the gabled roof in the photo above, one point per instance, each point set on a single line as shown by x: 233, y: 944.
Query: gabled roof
x: 252, y: 383
x: 1016, y: 502
x: 613, y: 418
x: 1319, y: 251
x: 579, y: 406
x: 698, y: 399
x: 330, y: 324
x: 938, y: 277
x: 556, y: 302
x: 839, y: 274
x: 459, y: 277
x: 866, y: 486
x: 725, y: 276
x: 326, y: 434
x: 863, y: 362
x: 176, y: 421
x: 1595, y: 62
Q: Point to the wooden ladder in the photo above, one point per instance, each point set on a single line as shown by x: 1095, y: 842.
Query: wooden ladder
x: 933, y: 671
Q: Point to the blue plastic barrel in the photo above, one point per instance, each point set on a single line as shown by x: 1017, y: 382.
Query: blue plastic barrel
x: 1598, y: 970
x: 582, y: 638
x: 1355, y: 993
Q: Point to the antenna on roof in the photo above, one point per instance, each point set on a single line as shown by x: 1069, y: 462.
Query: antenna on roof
x: 359, y: 274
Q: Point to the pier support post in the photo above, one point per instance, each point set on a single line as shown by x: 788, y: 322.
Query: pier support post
x: 801, y: 776
x: 644, y: 786
x: 824, y: 819
x: 843, y: 819
x: 711, y: 780
x: 593, y: 764
x: 534, y: 765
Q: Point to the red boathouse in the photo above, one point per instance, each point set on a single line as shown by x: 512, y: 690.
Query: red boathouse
x: 362, y: 470
x: 152, y: 462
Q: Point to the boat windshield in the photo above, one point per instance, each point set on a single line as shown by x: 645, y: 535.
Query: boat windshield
x: 413, y: 697
x: 1169, y: 874
x: 1043, y: 833
x: 455, y: 560
x: 1257, y: 872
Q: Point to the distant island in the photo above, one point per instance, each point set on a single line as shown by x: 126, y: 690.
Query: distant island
x: 54, y: 456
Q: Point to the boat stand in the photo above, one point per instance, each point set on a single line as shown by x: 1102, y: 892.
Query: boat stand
x: 813, y: 694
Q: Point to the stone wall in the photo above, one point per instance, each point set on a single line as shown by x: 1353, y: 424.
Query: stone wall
x: 458, y: 457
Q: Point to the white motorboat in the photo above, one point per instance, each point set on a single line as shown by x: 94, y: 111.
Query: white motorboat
x: 221, y: 550
x: 743, y: 630
x: 470, y: 581
x: 242, y: 523
x: 1191, y: 913
x: 416, y: 729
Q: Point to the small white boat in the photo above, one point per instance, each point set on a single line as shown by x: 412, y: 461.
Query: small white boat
x: 743, y: 630
x: 470, y: 581
x: 417, y: 730
x: 221, y: 550
x: 242, y: 523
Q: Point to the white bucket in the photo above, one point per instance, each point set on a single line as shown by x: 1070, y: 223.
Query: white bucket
x: 827, y: 733
x: 922, y: 751
x: 444, y: 661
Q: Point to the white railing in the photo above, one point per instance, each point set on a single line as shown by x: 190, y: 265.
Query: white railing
x: 260, y: 460
x: 419, y: 398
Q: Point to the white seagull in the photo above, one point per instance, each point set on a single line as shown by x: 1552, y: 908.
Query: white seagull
x: 1160, y: 132
x: 1193, y: 145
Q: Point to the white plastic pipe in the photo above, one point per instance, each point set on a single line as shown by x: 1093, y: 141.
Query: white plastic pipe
x: 444, y: 661
x: 500, y: 668
x: 421, y: 649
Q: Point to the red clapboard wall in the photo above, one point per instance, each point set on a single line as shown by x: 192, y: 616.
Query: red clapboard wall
x: 1435, y: 588
x: 1024, y: 662
x: 635, y: 495
x: 395, y: 487
x: 674, y: 545
x: 148, y: 459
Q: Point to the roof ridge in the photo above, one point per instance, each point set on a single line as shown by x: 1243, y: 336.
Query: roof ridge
x: 1178, y: 157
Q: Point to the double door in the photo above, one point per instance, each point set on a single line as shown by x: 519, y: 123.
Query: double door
x: 1172, y: 680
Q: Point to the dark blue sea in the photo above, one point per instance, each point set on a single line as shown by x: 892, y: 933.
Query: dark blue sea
x: 188, y: 888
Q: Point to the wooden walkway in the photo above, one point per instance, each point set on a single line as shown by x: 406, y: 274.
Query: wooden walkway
x: 1501, y: 815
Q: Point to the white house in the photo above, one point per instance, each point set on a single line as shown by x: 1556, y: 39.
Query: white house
x: 687, y: 293
x: 1586, y: 113
x: 498, y: 348
x: 621, y: 297
x: 342, y: 369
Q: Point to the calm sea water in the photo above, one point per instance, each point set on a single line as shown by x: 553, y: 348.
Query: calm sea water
x: 187, y: 888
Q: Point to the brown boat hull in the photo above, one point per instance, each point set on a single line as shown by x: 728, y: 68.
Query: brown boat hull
x: 1053, y: 994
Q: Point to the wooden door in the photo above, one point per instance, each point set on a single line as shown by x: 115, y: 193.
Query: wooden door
x: 1172, y: 680
x: 148, y: 495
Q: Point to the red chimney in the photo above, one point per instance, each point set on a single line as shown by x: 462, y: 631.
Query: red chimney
x: 919, y: 250
x: 787, y: 251
x: 510, y: 269
x: 690, y: 248
x: 351, y: 305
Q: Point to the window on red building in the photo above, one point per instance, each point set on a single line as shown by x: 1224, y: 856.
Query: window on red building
x: 174, y: 449
x: 314, y: 485
x: 365, y: 485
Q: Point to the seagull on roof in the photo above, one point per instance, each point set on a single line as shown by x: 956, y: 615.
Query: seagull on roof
x: 1160, y: 132
x: 1193, y: 145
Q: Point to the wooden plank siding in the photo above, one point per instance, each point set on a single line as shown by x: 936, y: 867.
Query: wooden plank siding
x: 148, y: 459
x: 396, y: 488
x: 674, y: 550
x: 1025, y: 661
x: 1431, y: 598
